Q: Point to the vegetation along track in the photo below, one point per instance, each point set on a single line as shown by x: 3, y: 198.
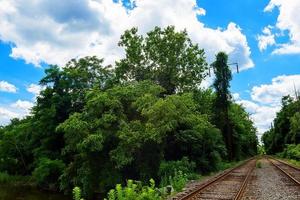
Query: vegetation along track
x: 229, y: 185
x: 289, y: 170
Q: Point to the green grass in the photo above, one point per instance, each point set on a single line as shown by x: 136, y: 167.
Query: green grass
x: 291, y: 161
x: 294, y: 162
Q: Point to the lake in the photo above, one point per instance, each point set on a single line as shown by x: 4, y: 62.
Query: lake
x: 27, y: 193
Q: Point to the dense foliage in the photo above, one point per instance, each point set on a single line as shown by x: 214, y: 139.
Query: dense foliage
x: 286, y: 127
x: 94, y: 126
x: 222, y: 100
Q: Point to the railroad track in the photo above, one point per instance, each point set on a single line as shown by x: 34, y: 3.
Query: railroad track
x: 289, y: 170
x: 229, y: 185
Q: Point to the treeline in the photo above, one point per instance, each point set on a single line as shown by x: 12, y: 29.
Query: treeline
x: 146, y: 117
x: 284, y: 135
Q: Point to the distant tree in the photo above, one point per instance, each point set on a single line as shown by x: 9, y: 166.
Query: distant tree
x: 295, y: 128
x: 222, y: 101
x: 286, y: 129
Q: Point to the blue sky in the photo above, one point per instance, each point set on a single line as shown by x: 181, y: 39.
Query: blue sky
x: 262, y: 36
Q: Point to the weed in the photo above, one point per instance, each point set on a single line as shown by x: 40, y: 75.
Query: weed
x: 258, y: 164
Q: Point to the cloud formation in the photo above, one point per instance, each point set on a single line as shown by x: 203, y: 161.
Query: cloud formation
x: 7, y: 87
x: 271, y: 93
x: 262, y: 115
x: 266, y: 100
x: 34, y: 89
x: 23, y: 105
x: 266, y: 39
x: 18, y: 109
x: 287, y: 21
x: 56, y: 31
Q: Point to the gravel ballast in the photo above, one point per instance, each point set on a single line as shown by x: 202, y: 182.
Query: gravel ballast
x: 268, y: 183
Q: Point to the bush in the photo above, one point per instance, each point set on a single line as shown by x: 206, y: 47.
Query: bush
x: 225, y: 165
x: 6, y: 178
x: 168, y: 168
x: 292, y: 151
x: 295, y: 162
x: 178, y: 181
x: 258, y: 164
x: 77, y: 193
x: 134, y: 191
x: 47, y: 173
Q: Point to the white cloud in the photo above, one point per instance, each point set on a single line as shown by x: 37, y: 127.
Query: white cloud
x: 6, y: 115
x: 288, y: 20
x: 266, y: 100
x: 56, y: 31
x: 18, y: 109
x: 250, y: 106
x: 272, y: 93
x: 265, y: 40
x: 261, y: 115
x: 23, y: 105
x: 201, y: 11
x: 7, y: 87
x: 236, y: 96
x: 34, y: 89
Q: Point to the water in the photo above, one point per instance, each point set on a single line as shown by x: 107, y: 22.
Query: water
x: 27, y: 193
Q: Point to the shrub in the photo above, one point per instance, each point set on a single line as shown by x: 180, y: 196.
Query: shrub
x: 134, y: 191
x: 169, y: 168
x: 77, y: 193
x: 295, y: 162
x: 292, y: 151
x: 224, y: 165
x: 6, y: 178
x: 178, y: 181
x: 47, y: 173
x: 258, y: 164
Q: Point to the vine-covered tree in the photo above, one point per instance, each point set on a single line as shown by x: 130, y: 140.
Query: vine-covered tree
x: 222, y: 101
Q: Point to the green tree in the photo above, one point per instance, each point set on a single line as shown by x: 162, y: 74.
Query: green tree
x: 245, y: 141
x: 164, y: 56
x: 92, y: 135
x: 295, y: 128
x: 130, y: 130
x: 285, y: 129
x: 15, y: 147
x: 94, y: 126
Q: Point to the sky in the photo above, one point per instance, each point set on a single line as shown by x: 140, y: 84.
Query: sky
x: 262, y: 36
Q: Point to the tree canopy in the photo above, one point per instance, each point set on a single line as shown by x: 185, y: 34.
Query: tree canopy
x: 164, y: 56
x: 94, y: 126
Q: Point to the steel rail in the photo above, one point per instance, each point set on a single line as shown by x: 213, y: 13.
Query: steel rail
x: 284, y: 172
x: 221, y: 177
x: 288, y: 164
x: 239, y: 195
